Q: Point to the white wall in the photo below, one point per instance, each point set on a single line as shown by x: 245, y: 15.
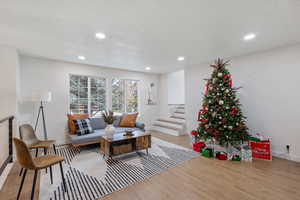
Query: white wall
x: 163, y: 95
x: 43, y: 74
x: 176, y: 87
x: 270, y: 95
x: 9, y: 66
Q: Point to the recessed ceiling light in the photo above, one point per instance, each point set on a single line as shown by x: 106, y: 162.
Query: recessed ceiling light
x: 100, y: 36
x: 81, y: 58
x: 249, y: 36
x: 148, y: 68
x: 180, y: 58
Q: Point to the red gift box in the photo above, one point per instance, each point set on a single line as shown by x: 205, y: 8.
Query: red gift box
x: 198, y: 146
x: 221, y: 156
x: 261, y: 150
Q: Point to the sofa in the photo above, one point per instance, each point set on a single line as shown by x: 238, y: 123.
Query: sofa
x: 98, y: 126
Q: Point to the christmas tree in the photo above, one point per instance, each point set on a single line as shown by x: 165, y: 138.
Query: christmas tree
x: 221, y: 117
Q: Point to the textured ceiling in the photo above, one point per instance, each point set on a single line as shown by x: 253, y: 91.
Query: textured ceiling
x: 143, y: 33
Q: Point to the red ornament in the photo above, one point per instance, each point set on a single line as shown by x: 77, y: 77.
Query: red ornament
x: 230, y: 83
x: 227, y: 76
x: 194, y: 133
x: 206, y: 89
x: 199, y: 116
x: 216, y: 134
x: 234, y: 111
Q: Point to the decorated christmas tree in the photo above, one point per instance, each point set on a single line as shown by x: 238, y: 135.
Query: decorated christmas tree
x: 221, y: 117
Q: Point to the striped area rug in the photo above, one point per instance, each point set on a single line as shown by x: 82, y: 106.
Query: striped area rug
x: 89, y: 176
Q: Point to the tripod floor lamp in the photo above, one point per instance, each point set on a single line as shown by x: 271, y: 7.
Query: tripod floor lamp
x: 42, y: 98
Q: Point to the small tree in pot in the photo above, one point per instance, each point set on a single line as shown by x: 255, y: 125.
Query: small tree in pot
x: 109, y: 118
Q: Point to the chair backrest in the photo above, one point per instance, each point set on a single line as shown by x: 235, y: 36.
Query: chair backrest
x: 27, y: 134
x: 23, y: 154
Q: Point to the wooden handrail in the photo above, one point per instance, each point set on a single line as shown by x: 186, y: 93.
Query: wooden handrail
x: 10, y: 146
x: 7, y: 118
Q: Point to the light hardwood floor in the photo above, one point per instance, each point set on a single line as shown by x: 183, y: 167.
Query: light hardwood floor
x: 201, y: 179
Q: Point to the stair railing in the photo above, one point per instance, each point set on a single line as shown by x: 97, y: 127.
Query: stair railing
x: 9, y: 159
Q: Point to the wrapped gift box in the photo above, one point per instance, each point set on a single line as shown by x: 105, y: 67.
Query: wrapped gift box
x: 221, y: 155
x: 207, y: 152
x: 198, y: 146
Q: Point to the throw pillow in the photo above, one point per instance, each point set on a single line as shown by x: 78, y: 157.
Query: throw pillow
x: 71, y: 124
x: 83, y: 126
x: 128, y: 120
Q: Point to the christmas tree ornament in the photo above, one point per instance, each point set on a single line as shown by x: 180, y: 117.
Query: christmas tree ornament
x: 220, y: 74
x: 221, y: 102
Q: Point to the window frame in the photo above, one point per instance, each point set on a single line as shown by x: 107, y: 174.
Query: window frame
x: 125, y: 93
x: 89, y: 91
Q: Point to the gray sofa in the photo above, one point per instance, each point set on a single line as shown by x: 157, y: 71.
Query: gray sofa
x: 98, y: 126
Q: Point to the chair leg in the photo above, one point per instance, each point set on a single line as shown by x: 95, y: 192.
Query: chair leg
x: 51, y: 176
x: 45, y: 153
x: 36, y: 152
x: 54, y: 148
x: 21, y: 171
x: 22, y: 182
x: 34, y: 183
x: 63, y: 176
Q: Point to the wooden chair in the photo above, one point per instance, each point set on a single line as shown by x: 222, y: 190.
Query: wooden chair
x: 27, y: 134
x: 36, y: 164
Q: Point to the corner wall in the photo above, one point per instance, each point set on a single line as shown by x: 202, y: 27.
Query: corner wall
x: 9, y: 90
x: 270, y: 96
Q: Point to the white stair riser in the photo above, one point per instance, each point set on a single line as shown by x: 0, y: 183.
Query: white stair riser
x: 182, y: 121
x: 169, y: 124
x: 165, y: 130
x: 180, y: 110
x: 178, y: 115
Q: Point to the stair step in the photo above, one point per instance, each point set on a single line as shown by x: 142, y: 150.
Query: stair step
x: 170, y: 121
x: 179, y: 112
x: 167, y: 127
x: 176, y: 117
x: 166, y: 130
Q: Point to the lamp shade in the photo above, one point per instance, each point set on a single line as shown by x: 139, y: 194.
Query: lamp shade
x: 42, y: 96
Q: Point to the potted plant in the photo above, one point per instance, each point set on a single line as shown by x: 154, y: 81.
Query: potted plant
x: 109, y: 118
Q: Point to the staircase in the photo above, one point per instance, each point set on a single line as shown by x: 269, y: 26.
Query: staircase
x: 174, y: 124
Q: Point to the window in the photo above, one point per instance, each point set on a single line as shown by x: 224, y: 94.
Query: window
x: 87, y: 95
x: 124, y: 95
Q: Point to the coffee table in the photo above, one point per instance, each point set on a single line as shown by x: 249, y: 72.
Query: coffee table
x: 121, y: 144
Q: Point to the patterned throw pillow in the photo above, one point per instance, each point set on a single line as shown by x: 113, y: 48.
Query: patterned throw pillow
x: 83, y: 126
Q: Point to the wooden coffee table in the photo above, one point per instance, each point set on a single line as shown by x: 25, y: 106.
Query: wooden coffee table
x: 121, y: 144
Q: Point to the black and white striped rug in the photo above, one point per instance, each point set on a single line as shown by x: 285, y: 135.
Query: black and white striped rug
x: 89, y: 176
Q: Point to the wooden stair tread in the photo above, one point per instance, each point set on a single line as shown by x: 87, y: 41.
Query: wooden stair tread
x: 165, y: 126
x: 171, y: 122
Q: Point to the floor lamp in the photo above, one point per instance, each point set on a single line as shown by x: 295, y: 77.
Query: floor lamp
x: 42, y: 98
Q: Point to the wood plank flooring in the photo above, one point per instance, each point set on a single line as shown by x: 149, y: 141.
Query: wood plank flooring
x: 199, y: 179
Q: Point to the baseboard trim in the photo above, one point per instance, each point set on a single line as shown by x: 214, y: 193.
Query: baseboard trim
x: 286, y: 156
